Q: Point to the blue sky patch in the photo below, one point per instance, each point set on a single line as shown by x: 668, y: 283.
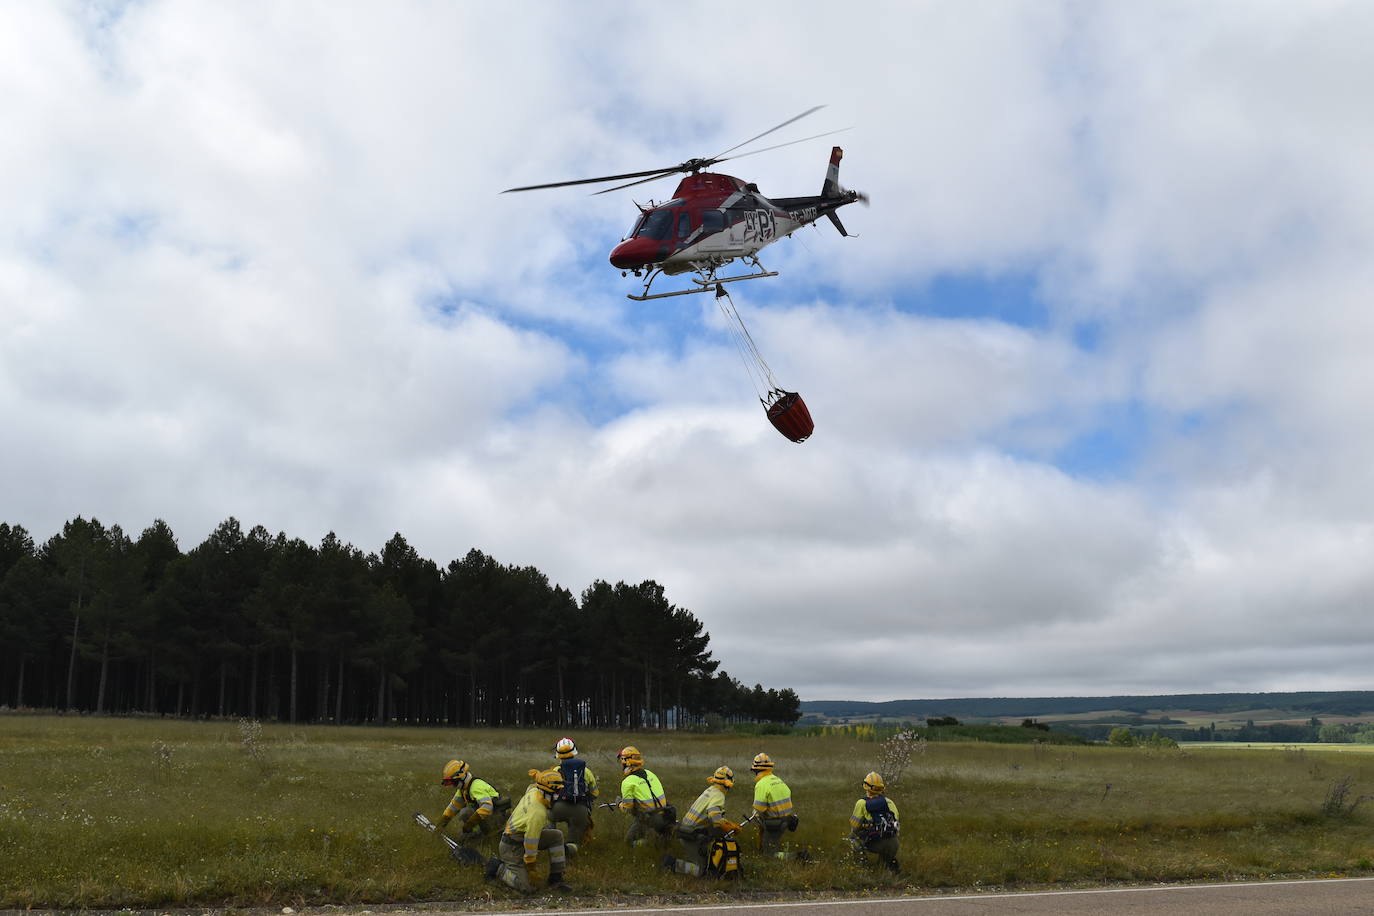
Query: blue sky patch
x: 1012, y: 298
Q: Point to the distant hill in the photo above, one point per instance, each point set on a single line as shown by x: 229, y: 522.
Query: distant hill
x: 1311, y: 703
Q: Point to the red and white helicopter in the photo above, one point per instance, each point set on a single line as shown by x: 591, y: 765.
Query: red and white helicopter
x: 713, y: 219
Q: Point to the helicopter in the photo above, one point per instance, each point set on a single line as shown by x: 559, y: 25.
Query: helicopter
x: 713, y: 219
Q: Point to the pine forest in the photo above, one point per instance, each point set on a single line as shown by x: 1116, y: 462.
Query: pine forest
x: 256, y: 625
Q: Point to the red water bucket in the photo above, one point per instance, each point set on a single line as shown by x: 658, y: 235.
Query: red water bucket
x: 789, y: 416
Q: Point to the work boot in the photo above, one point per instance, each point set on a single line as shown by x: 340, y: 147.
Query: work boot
x: 893, y: 867
x: 669, y: 863
x: 557, y: 883
x: 493, y: 866
x: 803, y: 856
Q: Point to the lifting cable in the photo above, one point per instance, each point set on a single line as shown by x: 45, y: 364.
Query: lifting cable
x: 765, y: 385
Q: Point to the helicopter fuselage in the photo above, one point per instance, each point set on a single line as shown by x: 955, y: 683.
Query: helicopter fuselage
x: 714, y: 218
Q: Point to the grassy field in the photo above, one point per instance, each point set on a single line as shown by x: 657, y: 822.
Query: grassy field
x: 110, y: 813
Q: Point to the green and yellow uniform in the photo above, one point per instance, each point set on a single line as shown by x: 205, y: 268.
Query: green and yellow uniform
x: 874, y: 828
x: 573, y: 808
x: 642, y: 797
x: 773, y: 805
x: 473, y: 804
x: 527, y: 832
x: 703, y: 824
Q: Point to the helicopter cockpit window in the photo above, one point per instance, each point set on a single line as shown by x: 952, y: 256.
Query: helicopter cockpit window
x: 656, y: 224
x: 712, y: 221
x: 684, y: 224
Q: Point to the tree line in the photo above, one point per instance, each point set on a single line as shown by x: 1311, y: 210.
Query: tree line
x: 1308, y: 703
x: 266, y: 626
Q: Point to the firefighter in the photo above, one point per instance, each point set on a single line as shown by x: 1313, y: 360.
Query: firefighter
x: 479, y: 808
x: 641, y: 796
x: 703, y: 824
x: 573, y: 805
x: 874, y: 825
x: 773, y: 807
x: 529, y: 831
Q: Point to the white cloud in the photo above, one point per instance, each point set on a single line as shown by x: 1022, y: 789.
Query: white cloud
x: 254, y: 262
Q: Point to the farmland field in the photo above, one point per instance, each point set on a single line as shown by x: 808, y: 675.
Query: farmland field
x: 1314, y: 746
x: 109, y: 813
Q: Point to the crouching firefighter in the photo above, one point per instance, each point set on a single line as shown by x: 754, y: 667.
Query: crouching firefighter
x: 874, y: 825
x: 479, y: 808
x: 573, y: 804
x: 708, y: 839
x: 529, y: 831
x: 773, y: 807
x: 641, y: 796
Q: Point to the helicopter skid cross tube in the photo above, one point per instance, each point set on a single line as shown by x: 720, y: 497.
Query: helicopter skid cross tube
x: 706, y: 280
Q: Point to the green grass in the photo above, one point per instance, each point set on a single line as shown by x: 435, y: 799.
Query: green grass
x: 110, y: 813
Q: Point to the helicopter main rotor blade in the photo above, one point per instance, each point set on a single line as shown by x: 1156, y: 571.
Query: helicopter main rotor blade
x: 691, y: 165
x: 781, y: 145
x: 716, y: 157
x: 654, y: 177
x: 563, y: 184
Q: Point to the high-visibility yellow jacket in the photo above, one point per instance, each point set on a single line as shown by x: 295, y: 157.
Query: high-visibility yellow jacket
x: 640, y: 794
x: 528, y: 821
x: 476, y: 793
x: 708, y: 811
x: 772, y: 798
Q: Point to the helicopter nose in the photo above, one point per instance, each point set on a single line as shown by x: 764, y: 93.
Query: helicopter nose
x: 635, y: 253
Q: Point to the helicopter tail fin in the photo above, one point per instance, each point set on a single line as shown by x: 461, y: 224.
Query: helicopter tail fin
x: 832, y: 188
x: 836, y: 220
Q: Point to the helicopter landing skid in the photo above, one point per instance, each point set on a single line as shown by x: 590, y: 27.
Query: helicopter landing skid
x: 707, y: 282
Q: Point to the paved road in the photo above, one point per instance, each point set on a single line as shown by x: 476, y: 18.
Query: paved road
x: 1318, y: 897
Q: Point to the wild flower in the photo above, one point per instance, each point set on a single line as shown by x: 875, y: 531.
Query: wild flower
x: 162, y: 759
x: 894, y: 756
x: 250, y: 735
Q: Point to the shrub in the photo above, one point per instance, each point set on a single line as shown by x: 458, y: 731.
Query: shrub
x: 1121, y: 737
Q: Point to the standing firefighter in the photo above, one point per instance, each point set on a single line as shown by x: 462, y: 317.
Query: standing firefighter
x: 573, y: 804
x: 529, y: 831
x: 703, y: 825
x: 641, y: 796
x: 773, y: 806
x: 477, y: 805
x: 874, y: 824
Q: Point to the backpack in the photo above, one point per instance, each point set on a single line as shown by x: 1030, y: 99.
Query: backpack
x: 722, y: 861
x: 574, y: 782
x: 882, y: 822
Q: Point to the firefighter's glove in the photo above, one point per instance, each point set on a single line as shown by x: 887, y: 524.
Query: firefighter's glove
x: 471, y: 823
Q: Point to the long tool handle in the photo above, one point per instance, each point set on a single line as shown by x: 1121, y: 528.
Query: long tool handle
x: 429, y: 825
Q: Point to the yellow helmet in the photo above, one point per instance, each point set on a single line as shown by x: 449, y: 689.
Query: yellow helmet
x: 564, y: 749
x: 548, y: 781
x: 723, y: 777
x: 873, y: 784
x: 630, y: 758
x: 761, y: 762
x: 455, y: 772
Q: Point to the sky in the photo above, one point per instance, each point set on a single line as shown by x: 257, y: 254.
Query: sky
x: 1092, y: 382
